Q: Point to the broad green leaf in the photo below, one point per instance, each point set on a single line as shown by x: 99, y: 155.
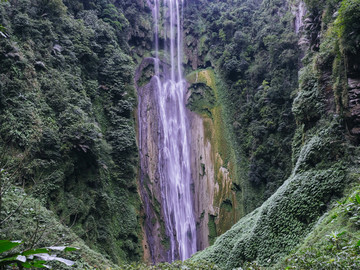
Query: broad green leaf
x: 35, y: 251
x: 71, y: 249
x: 26, y: 265
x: 7, y: 259
x: 6, y: 245
x: 39, y: 264
x: 357, y: 197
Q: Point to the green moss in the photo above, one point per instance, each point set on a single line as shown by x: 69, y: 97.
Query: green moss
x: 227, y: 205
x: 68, y: 97
x: 334, y: 241
x: 44, y: 229
x: 201, y: 100
x: 288, y: 216
x: 212, y: 229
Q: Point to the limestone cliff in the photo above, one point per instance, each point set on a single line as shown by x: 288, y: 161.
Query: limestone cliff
x: 156, y: 243
x: 213, y: 166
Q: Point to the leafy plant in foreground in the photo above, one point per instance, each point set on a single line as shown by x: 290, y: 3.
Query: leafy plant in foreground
x: 31, y: 258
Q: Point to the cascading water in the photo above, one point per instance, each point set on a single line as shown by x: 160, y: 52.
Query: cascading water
x: 173, y: 150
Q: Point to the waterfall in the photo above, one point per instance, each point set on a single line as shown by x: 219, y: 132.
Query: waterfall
x: 173, y: 146
x: 299, y: 12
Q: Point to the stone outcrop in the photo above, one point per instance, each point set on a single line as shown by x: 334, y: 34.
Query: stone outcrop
x: 354, y: 106
x: 155, y: 243
x: 212, y: 169
x: 214, y: 198
x: 202, y: 162
x: 212, y: 163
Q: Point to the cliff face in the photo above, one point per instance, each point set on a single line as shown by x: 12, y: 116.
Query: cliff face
x: 274, y: 107
x: 157, y: 242
x: 213, y: 163
x: 216, y: 207
x: 255, y: 57
x: 67, y: 129
x: 325, y: 147
x: 212, y: 160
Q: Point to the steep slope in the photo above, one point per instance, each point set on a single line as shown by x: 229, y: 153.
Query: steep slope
x: 324, y: 147
x: 67, y: 130
x: 251, y: 46
x: 263, y: 150
x: 43, y: 229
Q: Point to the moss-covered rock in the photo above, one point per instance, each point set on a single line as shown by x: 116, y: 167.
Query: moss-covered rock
x: 274, y: 229
x: 334, y: 241
x: 323, y: 165
x: 217, y: 204
x: 255, y: 56
x: 67, y: 129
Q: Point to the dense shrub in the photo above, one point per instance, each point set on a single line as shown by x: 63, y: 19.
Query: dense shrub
x: 66, y: 117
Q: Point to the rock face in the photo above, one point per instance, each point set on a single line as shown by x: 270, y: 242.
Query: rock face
x: 354, y: 106
x: 212, y: 161
x: 157, y: 242
x: 211, y: 164
x: 204, y: 179
x: 212, y: 185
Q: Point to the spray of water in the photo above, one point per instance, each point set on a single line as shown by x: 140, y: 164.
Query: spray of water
x: 174, y: 149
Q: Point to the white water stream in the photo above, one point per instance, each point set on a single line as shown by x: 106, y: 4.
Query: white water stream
x: 174, y: 149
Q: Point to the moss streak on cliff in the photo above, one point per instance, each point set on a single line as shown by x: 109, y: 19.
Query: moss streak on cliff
x: 215, y: 133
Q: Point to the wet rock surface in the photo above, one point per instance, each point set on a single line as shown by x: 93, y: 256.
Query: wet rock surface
x: 154, y: 246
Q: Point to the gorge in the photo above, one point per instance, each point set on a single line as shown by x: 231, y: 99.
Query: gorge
x: 180, y: 134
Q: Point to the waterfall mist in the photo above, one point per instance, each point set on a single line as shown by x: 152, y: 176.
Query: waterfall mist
x: 173, y: 143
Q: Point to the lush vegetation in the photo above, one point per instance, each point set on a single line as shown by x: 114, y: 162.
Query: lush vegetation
x: 68, y: 137
x: 324, y: 148
x: 66, y: 116
x: 335, y: 241
x: 25, y: 219
x: 254, y: 49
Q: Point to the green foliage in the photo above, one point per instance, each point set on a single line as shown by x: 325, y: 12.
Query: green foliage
x: 6, y: 245
x: 348, y: 25
x: 256, y: 55
x: 53, y: 8
x: 32, y: 258
x: 352, y: 208
x: 307, y: 106
x: 117, y: 19
x: 334, y: 242
x: 66, y: 116
x: 24, y: 217
x: 282, y: 221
